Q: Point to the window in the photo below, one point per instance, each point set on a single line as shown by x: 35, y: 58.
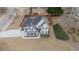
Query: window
x: 31, y: 34
x: 28, y: 34
x: 46, y: 28
x: 34, y: 34
x: 43, y: 27
x: 32, y: 29
x: 42, y: 32
x: 46, y: 32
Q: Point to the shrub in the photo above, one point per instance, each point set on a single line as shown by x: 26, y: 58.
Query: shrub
x: 55, y: 11
x: 59, y: 33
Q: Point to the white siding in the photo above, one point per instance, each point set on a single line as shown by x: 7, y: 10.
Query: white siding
x: 31, y: 29
x: 44, y: 29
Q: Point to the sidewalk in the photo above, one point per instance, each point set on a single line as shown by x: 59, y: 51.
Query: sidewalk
x: 16, y: 33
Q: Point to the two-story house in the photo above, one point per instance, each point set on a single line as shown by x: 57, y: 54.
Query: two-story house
x: 36, y: 26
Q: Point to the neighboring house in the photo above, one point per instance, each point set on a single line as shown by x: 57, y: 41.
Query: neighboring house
x: 67, y: 10
x: 75, y: 11
x: 35, y: 26
x: 73, y: 18
x: 71, y: 10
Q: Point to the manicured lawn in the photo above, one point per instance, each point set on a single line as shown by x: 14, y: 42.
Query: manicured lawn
x: 59, y: 33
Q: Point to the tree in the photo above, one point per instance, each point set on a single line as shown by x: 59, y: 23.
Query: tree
x: 55, y: 11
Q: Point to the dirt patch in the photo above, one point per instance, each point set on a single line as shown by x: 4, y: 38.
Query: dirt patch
x: 42, y: 44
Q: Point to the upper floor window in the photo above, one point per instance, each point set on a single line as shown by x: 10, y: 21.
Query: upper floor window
x: 43, y: 27
x: 46, y: 28
x: 32, y: 29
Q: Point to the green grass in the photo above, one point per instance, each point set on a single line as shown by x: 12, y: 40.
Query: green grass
x: 59, y: 33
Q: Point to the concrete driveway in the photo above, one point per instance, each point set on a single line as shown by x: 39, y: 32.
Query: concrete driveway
x: 12, y: 33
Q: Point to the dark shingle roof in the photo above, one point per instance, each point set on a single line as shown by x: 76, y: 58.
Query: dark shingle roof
x: 27, y: 21
x: 37, y: 19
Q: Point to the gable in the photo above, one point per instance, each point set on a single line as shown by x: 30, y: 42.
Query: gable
x: 45, y: 25
x: 31, y: 28
x: 40, y: 22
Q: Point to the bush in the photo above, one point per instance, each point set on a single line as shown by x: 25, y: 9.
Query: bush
x: 55, y: 11
x: 59, y: 33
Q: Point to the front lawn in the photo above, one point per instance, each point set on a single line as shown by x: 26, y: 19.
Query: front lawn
x: 59, y: 33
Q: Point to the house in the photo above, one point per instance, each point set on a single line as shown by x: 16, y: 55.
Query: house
x: 35, y: 26
x: 72, y: 19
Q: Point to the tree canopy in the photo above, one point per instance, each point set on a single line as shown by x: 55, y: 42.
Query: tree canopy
x: 55, y: 10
